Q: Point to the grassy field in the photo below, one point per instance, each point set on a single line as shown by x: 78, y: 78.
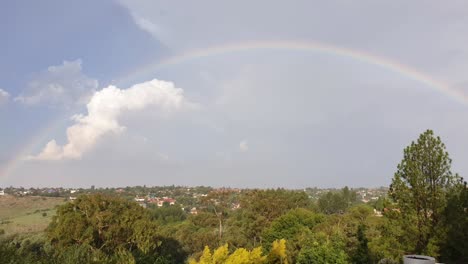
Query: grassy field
x: 26, y: 214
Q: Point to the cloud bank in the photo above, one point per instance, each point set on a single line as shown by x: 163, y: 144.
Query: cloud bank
x: 104, y: 110
x: 59, y: 85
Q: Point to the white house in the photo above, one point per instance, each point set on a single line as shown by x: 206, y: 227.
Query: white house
x: 2, y: 192
x: 140, y: 199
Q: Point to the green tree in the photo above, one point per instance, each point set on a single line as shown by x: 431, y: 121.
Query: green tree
x: 454, y: 248
x: 337, y: 202
x: 219, y: 203
x: 105, y: 229
x: 261, y: 207
x: 390, y: 240
x: 420, y: 187
x: 197, y: 232
x: 168, y: 214
x: 362, y: 255
x: 294, y: 226
x: 322, y: 249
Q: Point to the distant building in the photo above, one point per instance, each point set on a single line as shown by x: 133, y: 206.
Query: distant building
x: 2, y: 192
x: 140, y: 199
x: 161, y: 202
x: 377, y: 213
x: 235, y: 206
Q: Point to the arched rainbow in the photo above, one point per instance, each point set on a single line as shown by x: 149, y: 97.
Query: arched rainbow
x: 306, y: 46
x: 25, y: 150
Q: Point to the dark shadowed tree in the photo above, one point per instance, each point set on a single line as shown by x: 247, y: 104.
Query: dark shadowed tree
x: 454, y: 247
x: 362, y: 255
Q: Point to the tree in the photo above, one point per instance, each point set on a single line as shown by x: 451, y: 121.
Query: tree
x: 278, y: 253
x: 168, y: 214
x: 362, y: 255
x: 243, y: 256
x: 219, y: 203
x: 337, y: 202
x: 294, y: 226
x: 322, y: 250
x: 454, y: 248
x: 420, y: 187
x: 106, y: 229
x: 261, y: 207
x: 197, y: 232
x: 24, y: 249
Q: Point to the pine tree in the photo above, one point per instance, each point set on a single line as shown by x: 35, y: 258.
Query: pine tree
x: 420, y: 187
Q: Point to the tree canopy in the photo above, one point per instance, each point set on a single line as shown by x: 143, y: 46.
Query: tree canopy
x: 106, y: 228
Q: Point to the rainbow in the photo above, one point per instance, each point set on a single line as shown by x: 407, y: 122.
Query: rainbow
x: 303, y: 46
x: 25, y: 150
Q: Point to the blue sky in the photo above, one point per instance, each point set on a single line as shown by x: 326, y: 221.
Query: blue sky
x: 81, y: 105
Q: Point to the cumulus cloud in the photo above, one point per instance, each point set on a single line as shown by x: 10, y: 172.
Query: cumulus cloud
x: 243, y: 146
x: 63, y: 84
x: 4, y: 95
x: 104, y: 109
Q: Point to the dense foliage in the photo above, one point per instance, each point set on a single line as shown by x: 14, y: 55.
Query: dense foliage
x: 425, y: 212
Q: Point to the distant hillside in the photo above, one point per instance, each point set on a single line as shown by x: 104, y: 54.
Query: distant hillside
x: 26, y: 214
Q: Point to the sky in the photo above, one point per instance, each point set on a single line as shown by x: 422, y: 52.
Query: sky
x: 289, y: 94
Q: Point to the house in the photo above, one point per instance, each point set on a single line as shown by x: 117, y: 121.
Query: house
x: 140, y: 199
x: 2, y: 192
x: 377, y: 213
x: 193, y: 211
x: 170, y: 201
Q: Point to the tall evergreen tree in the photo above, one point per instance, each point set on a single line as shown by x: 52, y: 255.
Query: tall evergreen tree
x: 362, y: 255
x: 420, y: 187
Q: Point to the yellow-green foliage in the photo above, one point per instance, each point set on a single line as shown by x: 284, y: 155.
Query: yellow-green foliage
x: 278, y: 252
x: 243, y: 256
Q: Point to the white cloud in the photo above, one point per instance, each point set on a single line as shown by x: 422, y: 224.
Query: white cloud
x: 147, y: 25
x: 104, y: 110
x: 243, y: 146
x: 4, y: 95
x: 59, y: 85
